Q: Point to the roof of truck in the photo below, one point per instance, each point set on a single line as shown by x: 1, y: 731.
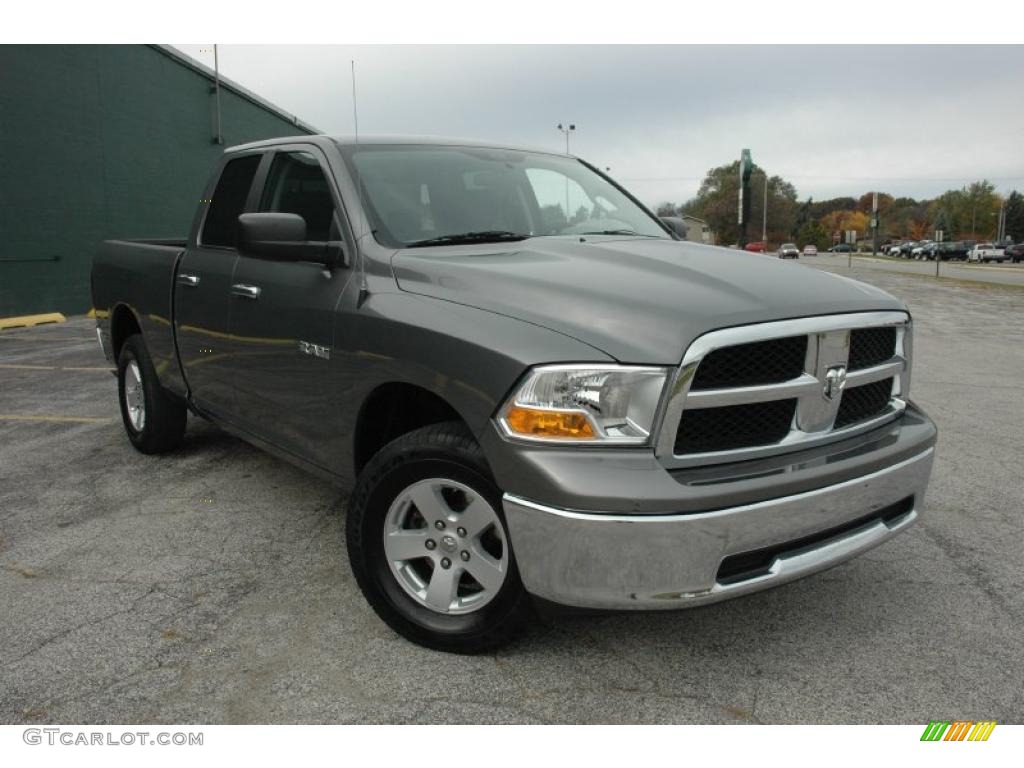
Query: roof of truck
x: 349, y: 141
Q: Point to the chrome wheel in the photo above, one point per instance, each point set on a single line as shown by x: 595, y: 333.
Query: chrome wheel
x: 446, y: 546
x: 134, y: 396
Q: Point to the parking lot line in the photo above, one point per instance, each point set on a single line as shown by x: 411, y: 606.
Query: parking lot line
x: 104, y: 369
x: 67, y: 419
x: 35, y: 337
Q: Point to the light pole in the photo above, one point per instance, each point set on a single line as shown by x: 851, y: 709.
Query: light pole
x: 764, y: 223
x: 567, y: 128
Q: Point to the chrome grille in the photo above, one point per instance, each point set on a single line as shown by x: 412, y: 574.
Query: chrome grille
x: 760, y: 397
x: 734, y: 426
x: 860, y: 403
x: 747, y: 365
x: 871, y: 346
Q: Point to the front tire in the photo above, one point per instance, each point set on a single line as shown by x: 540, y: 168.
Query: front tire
x: 429, y: 546
x: 153, y: 418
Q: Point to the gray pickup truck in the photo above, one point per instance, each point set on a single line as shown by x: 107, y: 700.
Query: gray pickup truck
x: 533, y: 389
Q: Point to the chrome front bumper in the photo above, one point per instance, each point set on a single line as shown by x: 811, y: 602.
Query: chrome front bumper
x: 616, y: 561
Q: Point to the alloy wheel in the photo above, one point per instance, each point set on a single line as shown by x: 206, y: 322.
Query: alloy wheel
x: 446, y: 547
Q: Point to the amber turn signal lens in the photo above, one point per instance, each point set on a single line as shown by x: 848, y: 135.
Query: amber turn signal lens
x: 536, y: 423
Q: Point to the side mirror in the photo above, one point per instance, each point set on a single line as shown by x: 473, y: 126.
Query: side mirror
x: 282, y: 237
x: 676, y: 225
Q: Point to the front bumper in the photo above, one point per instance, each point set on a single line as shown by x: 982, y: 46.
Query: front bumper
x: 660, y: 561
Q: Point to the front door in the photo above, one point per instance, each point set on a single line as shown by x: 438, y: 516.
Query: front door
x: 202, y: 289
x: 282, y: 318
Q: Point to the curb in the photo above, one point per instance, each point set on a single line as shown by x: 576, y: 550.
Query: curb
x: 27, y: 321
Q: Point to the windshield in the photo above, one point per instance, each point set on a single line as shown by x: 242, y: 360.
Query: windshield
x: 433, y: 195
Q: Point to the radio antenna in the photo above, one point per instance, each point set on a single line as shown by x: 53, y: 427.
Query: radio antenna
x: 364, y: 289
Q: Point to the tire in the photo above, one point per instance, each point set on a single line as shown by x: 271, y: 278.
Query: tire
x: 429, y: 463
x: 161, y: 425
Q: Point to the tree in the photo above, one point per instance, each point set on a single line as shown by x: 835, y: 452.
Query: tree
x: 918, y: 229
x: 824, y: 207
x: 812, y: 233
x: 908, y: 218
x: 981, y: 200
x: 1015, y: 216
x: 943, y: 224
x: 841, y: 221
x: 668, y: 209
x: 867, y: 200
x: 717, y: 203
x: 949, y: 208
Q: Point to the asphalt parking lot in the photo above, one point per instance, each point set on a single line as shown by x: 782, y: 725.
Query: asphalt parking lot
x: 1006, y: 273
x: 211, y: 585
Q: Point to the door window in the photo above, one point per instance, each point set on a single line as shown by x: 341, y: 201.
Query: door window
x: 297, y: 184
x: 228, y: 201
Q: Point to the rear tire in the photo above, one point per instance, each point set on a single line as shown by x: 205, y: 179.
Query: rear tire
x: 153, y: 418
x: 431, y: 492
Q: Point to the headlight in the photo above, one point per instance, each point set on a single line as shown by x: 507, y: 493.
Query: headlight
x: 585, y: 404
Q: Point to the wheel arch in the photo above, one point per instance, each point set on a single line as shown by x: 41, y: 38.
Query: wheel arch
x: 123, y: 323
x: 393, y: 409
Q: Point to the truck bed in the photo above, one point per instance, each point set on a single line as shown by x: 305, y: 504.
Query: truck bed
x: 138, y: 276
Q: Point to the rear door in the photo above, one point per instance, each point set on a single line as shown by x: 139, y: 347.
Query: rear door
x: 203, y: 287
x: 282, y: 314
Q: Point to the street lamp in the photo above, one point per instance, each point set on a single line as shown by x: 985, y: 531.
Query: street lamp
x: 567, y: 129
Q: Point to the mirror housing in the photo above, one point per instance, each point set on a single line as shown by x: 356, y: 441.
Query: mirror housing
x: 282, y: 237
x: 676, y: 225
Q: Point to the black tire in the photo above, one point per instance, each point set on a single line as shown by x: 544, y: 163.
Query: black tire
x: 445, y: 451
x: 163, y: 425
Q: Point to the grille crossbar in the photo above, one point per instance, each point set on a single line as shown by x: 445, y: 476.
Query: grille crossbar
x: 783, y: 386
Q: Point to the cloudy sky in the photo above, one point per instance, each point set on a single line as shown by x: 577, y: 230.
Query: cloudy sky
x: 835, y: 120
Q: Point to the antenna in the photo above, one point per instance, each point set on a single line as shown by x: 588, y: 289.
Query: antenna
x: 218, y: 136
x: 364, y: 289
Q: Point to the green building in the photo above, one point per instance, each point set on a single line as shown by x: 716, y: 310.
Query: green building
x: 106, y: 141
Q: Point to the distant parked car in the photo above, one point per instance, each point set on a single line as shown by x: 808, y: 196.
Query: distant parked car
x: 954, y: 251
x: 756, y: 247
x: 984, y: 252
x: 904, y: 249
x: 917, y: 252
x: 788, y: 251
x: 810, y: 250
x: 1015, y: 252
x: 841, y: 248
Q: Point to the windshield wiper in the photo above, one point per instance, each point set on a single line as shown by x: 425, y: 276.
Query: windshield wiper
x: 487, y: 236
x: 617, y: 232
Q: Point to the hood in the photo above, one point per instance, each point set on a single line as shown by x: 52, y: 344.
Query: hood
x: 639, y: 300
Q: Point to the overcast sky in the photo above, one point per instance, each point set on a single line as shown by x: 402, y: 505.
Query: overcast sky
x: 838, y: 120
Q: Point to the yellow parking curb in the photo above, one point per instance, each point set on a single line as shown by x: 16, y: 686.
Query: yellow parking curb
x: 27, y: 321
x: 91, y: 314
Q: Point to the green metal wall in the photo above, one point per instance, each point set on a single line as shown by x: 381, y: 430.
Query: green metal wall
x: 100, y: 142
